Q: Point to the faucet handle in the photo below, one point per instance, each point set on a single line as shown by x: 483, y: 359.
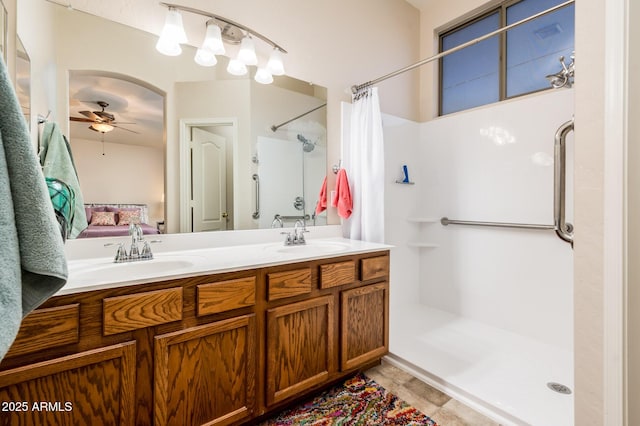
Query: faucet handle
x: 121, y: 253
x: 146, y: 250
x: 289, y: 240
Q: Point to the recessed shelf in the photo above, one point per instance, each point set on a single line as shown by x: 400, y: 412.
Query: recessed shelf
x: 422, y: 245
x: 423, y: 219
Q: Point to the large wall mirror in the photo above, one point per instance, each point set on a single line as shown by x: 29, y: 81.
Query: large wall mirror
x: 194, y: 144
x: 23, y: 79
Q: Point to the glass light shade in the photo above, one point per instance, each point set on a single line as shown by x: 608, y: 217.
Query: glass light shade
x: 101, y: 127
x: 172, y: 34
x: 263, y: 76
x: 205, y: 57
x: 275, y: 65
x: 247, y: 53
x: 213, y: 38
x: 236, y: 67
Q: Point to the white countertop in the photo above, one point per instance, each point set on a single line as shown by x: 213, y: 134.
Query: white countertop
x: 99, y: 273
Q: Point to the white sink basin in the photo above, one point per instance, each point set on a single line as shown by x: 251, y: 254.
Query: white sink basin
x: 311, y: 248
x: 132, y: 270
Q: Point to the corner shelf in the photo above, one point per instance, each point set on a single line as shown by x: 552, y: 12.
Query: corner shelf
x: 422, y: 245
x: 405, y: 183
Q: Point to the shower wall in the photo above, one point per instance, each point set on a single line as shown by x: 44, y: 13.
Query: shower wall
x: 493, y: 163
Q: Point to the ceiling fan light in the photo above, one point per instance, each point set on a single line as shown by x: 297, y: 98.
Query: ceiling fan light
x: 247, y: 53
x: 275, y: 64
x: 213, y: 38
x: 172, y: 34
x: 205, y: 57
x: 263, y: 76
x: 236, y: 67
x: 101, y: 127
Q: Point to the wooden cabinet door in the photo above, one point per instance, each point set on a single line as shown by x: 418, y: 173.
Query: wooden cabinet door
x: 300, y: 347
x: 206, y: 374
x: 365, y: 325
x: 91, y: 387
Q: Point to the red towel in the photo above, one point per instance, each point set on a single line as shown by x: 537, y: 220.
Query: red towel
x: 322, y: 197
x: 342, y: 195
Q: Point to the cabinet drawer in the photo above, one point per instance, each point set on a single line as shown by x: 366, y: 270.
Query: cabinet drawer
x: 226, y: 295
x: 374, y: 267
x: 47, y: 328
x: 336, y: 274
x: 141, y: 310
x: 289, y: 283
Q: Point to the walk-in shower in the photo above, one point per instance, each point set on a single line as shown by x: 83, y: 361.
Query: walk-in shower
x: 484, y: 311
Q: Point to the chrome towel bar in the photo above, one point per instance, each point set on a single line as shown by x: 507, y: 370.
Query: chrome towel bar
x: 446, y: 221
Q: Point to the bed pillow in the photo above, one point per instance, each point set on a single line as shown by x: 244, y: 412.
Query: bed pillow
x: 89, y: 211
x: 126, y: 216
x: 103, y: 218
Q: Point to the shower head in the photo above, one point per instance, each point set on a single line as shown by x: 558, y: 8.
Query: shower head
x: 559, y: 79
x: 307, y: 145
x: 564, y: 77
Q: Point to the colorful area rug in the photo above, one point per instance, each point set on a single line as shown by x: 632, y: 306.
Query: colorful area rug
x: 358, y: 401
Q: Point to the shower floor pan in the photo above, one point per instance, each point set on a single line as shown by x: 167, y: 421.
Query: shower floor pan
x: 499, y: 373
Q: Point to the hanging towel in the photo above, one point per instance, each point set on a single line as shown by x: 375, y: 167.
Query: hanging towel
x: 322, y: 198
x: 32, y: 261
x: 342, y: 195
x: 57, y: 163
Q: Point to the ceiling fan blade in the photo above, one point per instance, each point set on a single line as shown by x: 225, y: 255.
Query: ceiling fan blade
x: 121, y: 122
x: 91, y: 115
x: 122, y: 128
x: 81, y: 119
x: 105, y: 115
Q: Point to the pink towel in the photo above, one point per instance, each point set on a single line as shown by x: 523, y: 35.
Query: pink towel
x: 342, y: 195
x: 322, y: 197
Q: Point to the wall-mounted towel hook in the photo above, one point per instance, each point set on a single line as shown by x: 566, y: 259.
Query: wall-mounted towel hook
x: 43, y: 119
x: 336, y: 167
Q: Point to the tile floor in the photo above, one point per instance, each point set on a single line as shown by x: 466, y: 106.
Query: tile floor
x: 443, y: 409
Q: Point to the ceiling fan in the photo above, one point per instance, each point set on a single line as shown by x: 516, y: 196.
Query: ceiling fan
x: 101, y: 121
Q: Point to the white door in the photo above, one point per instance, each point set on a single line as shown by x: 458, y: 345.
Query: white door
x: 208, y: 181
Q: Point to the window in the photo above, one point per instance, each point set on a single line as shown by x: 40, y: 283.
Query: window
x: 508, y: 65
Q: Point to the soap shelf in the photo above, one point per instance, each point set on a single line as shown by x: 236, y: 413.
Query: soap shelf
x: 405, y: 183
x: 422, y: 245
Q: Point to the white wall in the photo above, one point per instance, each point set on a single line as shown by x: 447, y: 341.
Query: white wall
x: 124, y: 174
x: 495, y: 164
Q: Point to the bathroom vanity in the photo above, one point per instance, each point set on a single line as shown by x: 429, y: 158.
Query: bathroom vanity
x: 211, y: 342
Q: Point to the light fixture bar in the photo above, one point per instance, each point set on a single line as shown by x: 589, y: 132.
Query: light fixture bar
x: 226, y: 21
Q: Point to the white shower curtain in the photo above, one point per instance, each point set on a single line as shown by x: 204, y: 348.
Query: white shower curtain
x: 363, y: 157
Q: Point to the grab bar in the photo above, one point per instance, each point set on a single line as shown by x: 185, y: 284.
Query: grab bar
x: 256, y: 178
x: 305, y: 217
x: 563, y: 229
x: 446, y: 221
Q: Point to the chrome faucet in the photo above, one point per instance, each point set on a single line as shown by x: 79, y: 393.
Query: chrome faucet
x: 135, y: 253
x: 277, y: 222
x: 296, y: 237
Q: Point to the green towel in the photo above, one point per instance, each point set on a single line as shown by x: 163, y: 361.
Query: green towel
x: 32, y: 262
x: 57, y: 163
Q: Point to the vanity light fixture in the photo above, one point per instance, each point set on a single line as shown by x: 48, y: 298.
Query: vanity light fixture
x: 219, y: 30
x: 172, y: 35
x: 275, y: 64
x: 247, y: 53
x: 263, y: 76
x: 236, y: 67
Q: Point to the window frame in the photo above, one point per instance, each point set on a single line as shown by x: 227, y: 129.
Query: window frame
x: 501, y: 9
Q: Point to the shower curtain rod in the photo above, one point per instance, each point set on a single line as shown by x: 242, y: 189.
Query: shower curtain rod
x: 356, y: 88
x: 274, y: 127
